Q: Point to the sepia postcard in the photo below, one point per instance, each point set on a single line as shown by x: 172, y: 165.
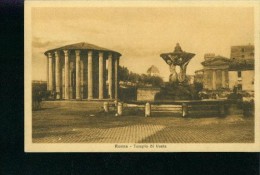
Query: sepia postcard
x: 143, y: 76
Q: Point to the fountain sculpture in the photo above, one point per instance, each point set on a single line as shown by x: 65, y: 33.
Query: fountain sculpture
x: 178, y: 87
x: 177, y: 58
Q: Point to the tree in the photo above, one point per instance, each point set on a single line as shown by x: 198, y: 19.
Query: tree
x: 134, y: 77
x: 126, y: 75
x: 123, y: 73
x: 154, y: 80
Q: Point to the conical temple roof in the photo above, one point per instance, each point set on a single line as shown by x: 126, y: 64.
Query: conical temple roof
x: 81, y: 46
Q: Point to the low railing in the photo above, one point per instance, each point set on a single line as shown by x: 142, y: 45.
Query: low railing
x: 181, y: 107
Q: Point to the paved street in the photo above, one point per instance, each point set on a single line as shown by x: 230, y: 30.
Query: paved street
x: 83, y: 122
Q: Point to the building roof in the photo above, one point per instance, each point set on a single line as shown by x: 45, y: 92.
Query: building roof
x: 81, y: 46
x: 233, y: 64
x: 242, y: 64
x: 153, y: 69
x: 216, y: 59
x: 249, y: 45
x: 200, y: 70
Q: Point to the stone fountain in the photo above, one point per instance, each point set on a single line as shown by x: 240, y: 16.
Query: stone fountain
x: 178, y: 91
x: 178, y: 87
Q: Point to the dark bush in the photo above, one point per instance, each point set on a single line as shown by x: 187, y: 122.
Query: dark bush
x: 39, y: 92
x: 36, y: 98
x: 235, y: 95
x: 248, y: 108
x: 128, y: 94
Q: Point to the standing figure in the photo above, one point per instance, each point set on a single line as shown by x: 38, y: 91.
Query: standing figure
x: 173, y: 76
x: 182, y: 74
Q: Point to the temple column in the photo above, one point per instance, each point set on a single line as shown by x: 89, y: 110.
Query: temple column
x: 90, y: 76
x: 214, y: 79
x: 116, y: 77
x: 110, y: 76
x: 47, y: 76
x: 63, y: 82
x: 71, y: 81
x: 50, y: 72
x: 57, y: 75
x: 82, y: 78
x: 66, y: 67
x: 223, y: 79
x: 101, y: 76
x: 206, y: 79
x: 78, y: 88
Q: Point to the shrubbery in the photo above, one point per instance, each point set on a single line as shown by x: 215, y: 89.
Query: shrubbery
x: 246, y: 105
x: 38, y: 94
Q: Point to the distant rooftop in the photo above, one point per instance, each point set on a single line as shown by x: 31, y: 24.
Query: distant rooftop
x: 153, y: 69
x: 248, y: 45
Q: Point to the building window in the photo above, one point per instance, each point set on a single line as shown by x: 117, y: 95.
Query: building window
x: 239, y: 74
x: 252, y: 54
x: 243, y: 56
x: 242, y: 50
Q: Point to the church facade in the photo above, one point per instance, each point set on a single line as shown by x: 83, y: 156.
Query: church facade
x: 215, y: 72
x: 82, y: 71
x: 236, y: 71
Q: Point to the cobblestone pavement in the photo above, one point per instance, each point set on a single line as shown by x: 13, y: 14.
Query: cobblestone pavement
x: 85, y: 124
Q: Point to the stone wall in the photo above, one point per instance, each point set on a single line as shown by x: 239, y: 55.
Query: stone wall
x: 247, y: 80
x: 232, y: 77
x: 147, y: 94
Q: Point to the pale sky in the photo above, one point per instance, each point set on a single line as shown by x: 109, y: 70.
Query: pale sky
x: 141, y: 34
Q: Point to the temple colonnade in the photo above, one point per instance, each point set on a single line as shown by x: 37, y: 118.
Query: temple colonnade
x: 82, y: 73
x: 215, y: 78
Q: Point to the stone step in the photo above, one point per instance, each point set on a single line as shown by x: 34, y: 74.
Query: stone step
x: 73, y: 104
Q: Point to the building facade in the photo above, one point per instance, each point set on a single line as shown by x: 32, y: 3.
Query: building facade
x: 215, y: 72
x: 242, y: 79
x: 220, y: 72
x: 241, y: 69
x: 83, y: 71
x: 242, y: 52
